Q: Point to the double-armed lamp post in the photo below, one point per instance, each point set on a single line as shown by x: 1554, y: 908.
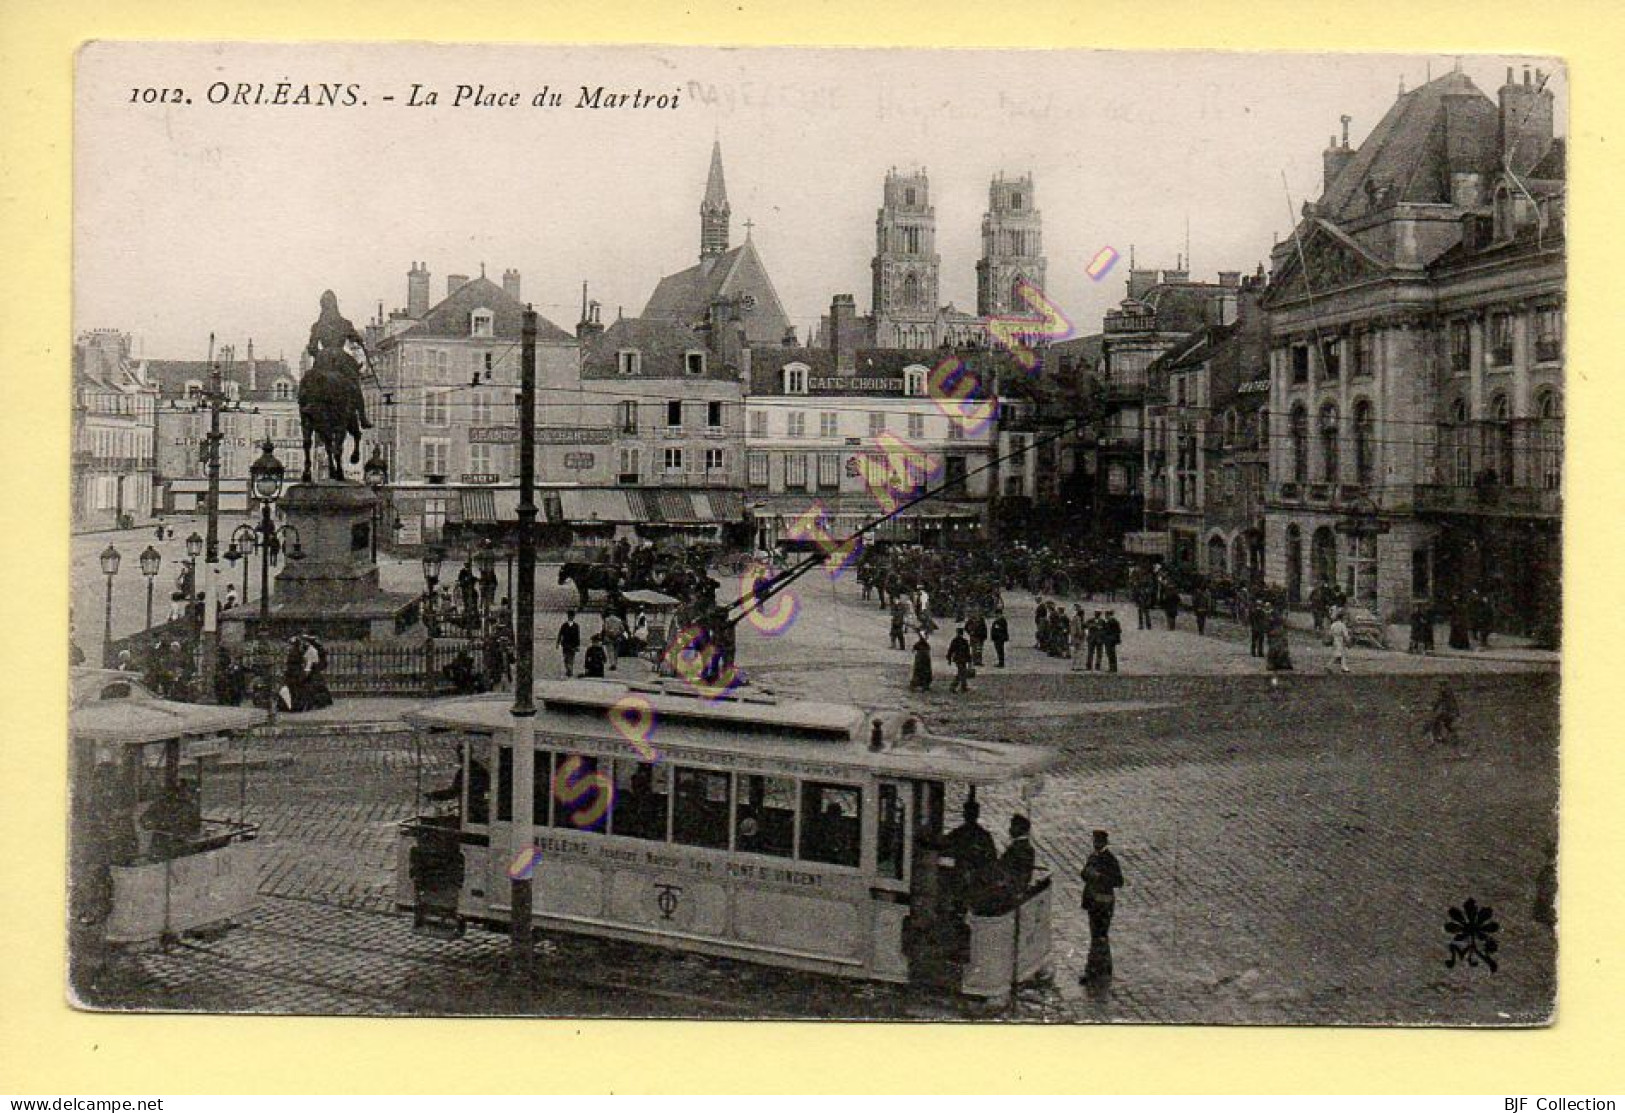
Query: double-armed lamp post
x: 110, y: 560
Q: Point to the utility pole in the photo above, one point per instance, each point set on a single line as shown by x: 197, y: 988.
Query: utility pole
x: 522, y: 855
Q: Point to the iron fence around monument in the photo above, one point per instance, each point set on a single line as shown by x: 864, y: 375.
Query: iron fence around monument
x: 375, y: 670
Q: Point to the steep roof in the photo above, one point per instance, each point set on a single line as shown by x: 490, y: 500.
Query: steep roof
x: 687, y: 295
x: 170, y: 376
x: 1447, y: 125
x: 450, y: 318
x: 716, y: 191
x: 662, y: 344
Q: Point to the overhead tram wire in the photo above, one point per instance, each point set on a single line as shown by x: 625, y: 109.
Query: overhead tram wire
x: 794, y: 573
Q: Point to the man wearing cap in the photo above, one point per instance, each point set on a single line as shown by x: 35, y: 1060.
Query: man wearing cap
x: 1013, y: 875
x: 1102, y: 877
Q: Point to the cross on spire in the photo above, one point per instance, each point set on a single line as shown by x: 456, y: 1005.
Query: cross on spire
x: 749, y: 224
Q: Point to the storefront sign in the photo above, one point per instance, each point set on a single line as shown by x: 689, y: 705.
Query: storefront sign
x: 579, y: 461
x: 480, y: 477
x: 853, y: 384
x: 493, y: 434
x: 571, y: 434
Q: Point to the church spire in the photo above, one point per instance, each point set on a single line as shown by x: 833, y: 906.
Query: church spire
x: 714, y: 209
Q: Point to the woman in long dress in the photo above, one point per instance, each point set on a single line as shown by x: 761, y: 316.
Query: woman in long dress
x: 1280, y: 652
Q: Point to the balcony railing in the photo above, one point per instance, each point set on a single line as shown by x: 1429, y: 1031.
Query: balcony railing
x: 112, y: 463
x: 1488, y: 499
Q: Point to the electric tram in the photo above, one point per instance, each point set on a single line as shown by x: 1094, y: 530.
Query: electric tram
x: 790, y: 833
x: 148, y: 865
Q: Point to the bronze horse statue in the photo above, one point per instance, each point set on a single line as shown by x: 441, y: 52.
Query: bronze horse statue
x: 331, y: 406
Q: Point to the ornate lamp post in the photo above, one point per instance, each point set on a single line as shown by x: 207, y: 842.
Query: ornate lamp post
x: 194, y: 549
x: 109, y: 558
x: 375, y: 473
x: 265, y: 476
x: 432, y: 559
x: 151, y: 560
x: 243, y: 543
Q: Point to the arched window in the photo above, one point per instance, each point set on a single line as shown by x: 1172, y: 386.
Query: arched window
x: 1550, y: 408
x: 1300, y: 444
x: 1329, y: 446
x: 911, y: 292
x: 1364, y: 446
x: 1457, y: 448
x: 914, y: 381
x: 1499, y: 451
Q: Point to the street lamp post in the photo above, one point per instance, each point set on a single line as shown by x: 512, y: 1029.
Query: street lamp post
x: 485, y: 561
x: 243, y: 544
x: 194, y: 549
x: 151, y: 560
x: 432, y: 559
x: 376, y: 473
x: 110, y: 558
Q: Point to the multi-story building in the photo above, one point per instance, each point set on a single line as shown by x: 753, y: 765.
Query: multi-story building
x: 1202, y: 467
x: 444, y: 404
x: 663, y: 406
x: 261, y: 403
x: 811, y: 417
x: 1159, y: 312
x: 1417, y: 361
x: 113, y: 433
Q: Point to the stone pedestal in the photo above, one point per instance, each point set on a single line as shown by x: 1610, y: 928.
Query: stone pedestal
x: 332, y: 592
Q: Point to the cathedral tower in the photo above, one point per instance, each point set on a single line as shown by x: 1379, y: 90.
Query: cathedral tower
x: 1012, y: 248
x: 714, y: 210
x: 905, y: 263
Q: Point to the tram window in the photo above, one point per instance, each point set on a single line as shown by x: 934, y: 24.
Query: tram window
x: 766, y: 823
x: 479, y: 787
x: 642, y: 799
x: 504, y: 784
x: 889, y: 833
x: 581, y: 794
x: 830, y: 823
x: 542, y: 778
x: 700, y: 817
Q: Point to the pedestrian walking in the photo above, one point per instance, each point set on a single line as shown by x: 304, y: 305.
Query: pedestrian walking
x: 920, y: 678
x: 1102, y: 876
x: 1338, y: 631
x: 613, y: 631
x: 1258, y: 625
x: 592, y: 663
x: 1319, y: 602
x: 1000, y: 633
x: 899, y: 622
x: 959, y: 658
x: 1082, y: 651
x: 1094, y: 629
x: 569, y: 641
x: 1170, y: 603
x: 1279, y: 657
x: 976, y: 631
x: 1111, y: 636
x: 1201, y: 606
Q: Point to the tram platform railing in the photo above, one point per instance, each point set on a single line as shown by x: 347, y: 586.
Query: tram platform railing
x: 1010, y: 945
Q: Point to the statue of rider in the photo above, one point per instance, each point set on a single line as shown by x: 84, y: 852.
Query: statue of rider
x: 332, y: 332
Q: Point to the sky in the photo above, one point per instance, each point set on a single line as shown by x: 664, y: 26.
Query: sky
x: 192, y: 218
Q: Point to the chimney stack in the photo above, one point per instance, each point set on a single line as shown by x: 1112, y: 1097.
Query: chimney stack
x: 1334, y: 158
x: 510, y: 284
x: 417, y: 291
x: 252, y: 377
x: 1140, y: 281
x: 1526, y: 121
x: 591, y: 324
x: 843, y: 339
x: 453, y: 281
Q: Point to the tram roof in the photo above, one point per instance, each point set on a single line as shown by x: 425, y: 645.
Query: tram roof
x: 761, y: 728
x: 112, y: 706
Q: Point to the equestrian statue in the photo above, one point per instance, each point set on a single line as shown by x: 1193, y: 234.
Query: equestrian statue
x: 331, y: 405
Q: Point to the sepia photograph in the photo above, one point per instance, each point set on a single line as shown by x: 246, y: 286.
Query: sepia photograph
x: 978, y: 536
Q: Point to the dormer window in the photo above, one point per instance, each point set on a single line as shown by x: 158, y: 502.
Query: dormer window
x: 194, y: 388
x: 283, y: 391
x: 795, y: 378
x: 694, y: 363
x: 233, y: 391
x: 482, y: 323
x: 628, y: 361
x: 914, y: 381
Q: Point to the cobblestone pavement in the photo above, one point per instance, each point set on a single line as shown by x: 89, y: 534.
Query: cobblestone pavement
x: 1291, y: 849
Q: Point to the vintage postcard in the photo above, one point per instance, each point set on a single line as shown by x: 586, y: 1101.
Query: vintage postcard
x: 1037, y: 536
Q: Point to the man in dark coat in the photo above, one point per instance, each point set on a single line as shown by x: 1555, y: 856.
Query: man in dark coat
x: 1258, y: 625
x: 468, y: 594
x: 959, y: 658
x: 1013, y: 875
x: 1201, y: 606
x: 920, y: 679
x: 1000, y: 633
x: 1170, y: 603
x: 899, y: 621
x: 976, y: 631
x: 569, y: 641
x: 1094, y: 630
x: 593, y: 662
x: 973, y: 852
x: 1102, y: 877
x: 1111, y: 636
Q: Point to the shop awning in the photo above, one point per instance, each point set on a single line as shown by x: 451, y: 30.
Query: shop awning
x: 581, y: 506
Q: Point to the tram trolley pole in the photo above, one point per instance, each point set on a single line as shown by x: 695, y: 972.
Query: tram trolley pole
x: 522, y: 860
